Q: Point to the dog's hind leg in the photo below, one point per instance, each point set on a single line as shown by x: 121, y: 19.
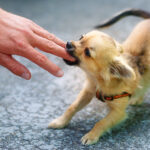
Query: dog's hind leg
x: 138, y: 97
x: 82, y: 100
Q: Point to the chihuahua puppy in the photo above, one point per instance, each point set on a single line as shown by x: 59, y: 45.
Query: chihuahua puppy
x: 118, y: 74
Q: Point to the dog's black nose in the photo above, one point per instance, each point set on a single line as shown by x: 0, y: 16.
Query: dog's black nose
x: 69, y: 46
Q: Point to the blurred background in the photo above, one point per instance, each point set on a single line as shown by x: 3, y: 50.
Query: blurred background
x: 26, y: 107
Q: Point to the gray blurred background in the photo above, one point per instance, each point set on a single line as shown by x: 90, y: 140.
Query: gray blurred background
x: 26, y: 107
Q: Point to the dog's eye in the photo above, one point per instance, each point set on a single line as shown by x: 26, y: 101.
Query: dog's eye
x: 87, y: 52
x: 81, y: 37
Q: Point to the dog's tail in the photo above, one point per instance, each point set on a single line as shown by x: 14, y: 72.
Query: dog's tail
x: 122, y: 14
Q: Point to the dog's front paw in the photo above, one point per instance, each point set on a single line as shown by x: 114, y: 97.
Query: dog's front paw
x: 58, y: 123
x: 89, y: 139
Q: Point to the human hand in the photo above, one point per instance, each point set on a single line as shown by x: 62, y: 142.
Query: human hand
x: 20, y: 36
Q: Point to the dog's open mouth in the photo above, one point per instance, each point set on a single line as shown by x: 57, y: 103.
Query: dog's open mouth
x: 71, y: 63
x: 70, y: 50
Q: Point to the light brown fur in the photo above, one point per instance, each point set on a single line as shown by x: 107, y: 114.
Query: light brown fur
x: 112, y: 68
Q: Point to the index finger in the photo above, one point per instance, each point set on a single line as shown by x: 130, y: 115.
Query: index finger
x: 50, y: 47
x: 45, y: 34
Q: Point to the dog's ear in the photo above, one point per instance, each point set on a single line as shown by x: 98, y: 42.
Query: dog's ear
x: 120, y: 69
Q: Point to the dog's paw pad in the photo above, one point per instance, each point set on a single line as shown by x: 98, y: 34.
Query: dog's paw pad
x: 89, y: 139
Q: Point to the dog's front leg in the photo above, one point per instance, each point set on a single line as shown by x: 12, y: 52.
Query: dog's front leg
x: 82, y: 100
x: 116, y: 115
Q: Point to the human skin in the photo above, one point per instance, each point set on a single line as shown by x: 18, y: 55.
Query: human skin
x: 20, y: 36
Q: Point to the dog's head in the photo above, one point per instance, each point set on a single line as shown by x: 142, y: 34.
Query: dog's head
x: 99, y: 55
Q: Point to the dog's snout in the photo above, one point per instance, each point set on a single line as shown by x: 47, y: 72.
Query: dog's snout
x: 69, y: 46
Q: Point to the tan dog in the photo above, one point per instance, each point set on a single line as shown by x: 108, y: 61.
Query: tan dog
x: 118, y: 74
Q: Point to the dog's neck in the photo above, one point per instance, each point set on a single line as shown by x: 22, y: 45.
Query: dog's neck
x: 115, y: 86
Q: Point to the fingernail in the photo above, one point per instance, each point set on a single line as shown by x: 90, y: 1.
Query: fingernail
x: 25, y: 76
x: 60, y: 73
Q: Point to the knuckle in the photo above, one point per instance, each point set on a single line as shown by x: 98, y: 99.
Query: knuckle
x: 50, y: 45
x: 13, y: 36
x: 25, y: 32
x: 18, y: 41
x: 51, y: 37
x: 14, y: 68
x: 20, y: 44
x: 42, y: 59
